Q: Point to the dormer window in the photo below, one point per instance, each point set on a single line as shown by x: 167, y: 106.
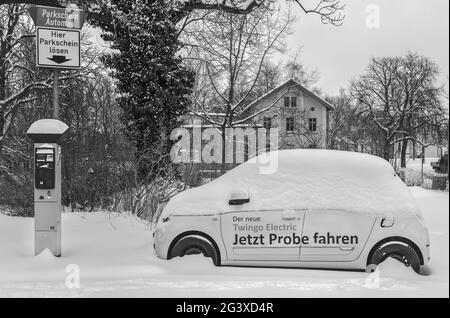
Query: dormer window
x: 290, y: 101
x: 294, y: 101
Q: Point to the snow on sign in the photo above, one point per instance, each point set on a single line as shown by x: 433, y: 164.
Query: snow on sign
x: 58, y: 48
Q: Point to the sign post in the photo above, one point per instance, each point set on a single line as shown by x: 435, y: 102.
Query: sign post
x: 55, y: 93
x: 58, y: 47
x: 58, y: 42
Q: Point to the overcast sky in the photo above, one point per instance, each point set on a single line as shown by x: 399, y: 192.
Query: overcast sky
x: 341, y: 53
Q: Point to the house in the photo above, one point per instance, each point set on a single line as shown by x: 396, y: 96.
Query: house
x: 300, y: 115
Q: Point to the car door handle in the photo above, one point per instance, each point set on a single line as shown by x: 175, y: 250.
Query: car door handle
x: 347, y: 248
x: 288, y: 216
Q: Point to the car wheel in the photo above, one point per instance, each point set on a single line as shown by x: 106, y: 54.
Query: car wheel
x: 400, y: 251
x: 195, y: 244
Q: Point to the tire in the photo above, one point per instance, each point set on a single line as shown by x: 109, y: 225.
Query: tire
x: 193, y: 245
x: 399, y: 251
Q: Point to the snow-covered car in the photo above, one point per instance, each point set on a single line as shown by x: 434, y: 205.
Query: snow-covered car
x: 319, y: 209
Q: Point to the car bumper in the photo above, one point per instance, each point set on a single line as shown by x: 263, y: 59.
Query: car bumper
x: 426, y: 248
x: 161, y: 243
x: 427, y: 254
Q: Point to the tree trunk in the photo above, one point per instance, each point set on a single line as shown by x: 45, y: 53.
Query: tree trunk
x: 2, y: 110
x: 224, y: 145
x: 164, y: 135
x: 2, y: 126
x: 403, y: 153
x: 387, y: 150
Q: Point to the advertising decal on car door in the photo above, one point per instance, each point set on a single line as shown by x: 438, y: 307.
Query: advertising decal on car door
x: 295, y: 235
x: 344, y: 235
x: 263, y: 235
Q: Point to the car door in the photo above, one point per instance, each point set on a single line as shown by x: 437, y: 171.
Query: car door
x: 263, y: 235
x: 335, y: 236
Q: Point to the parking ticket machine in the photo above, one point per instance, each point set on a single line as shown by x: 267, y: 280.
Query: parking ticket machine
x: 45, y: 168
x: 46, y: 135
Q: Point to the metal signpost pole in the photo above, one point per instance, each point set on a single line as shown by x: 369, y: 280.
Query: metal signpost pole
x: 55, y: 93
x: 58, y: 47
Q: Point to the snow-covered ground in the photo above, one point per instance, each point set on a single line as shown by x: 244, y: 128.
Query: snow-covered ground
x: 115, y: 258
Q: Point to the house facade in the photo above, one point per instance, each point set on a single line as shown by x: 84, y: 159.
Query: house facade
x: 300, y: 115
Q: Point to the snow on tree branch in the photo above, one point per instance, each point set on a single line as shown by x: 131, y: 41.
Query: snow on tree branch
x: 330, y: 11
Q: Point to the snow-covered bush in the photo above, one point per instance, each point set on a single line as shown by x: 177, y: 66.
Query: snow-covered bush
x: 430, y: 181
x: 148, y: 184
x: 150, y: 199
x: 16, y: 191
x: 412, y: 178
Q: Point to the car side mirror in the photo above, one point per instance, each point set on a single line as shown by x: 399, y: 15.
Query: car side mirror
x: 239, y: 197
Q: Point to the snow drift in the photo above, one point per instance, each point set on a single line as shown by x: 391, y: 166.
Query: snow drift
x: 305, y: 179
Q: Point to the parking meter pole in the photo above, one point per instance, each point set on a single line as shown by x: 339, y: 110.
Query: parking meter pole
x: 55, y: 94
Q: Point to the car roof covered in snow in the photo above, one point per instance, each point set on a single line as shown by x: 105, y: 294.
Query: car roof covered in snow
x: 303, y: 179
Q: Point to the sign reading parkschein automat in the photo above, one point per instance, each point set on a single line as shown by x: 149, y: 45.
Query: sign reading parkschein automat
x: 60, y: 18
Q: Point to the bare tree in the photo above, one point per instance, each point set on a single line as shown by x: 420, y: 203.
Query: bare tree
x: 329, y: 11
x: 419, y: 103
x: 296, y: 70
x: 347, y: 128
x: 271, y: 76
x: 403, y: 101
x: 25, y: 96
x: 231, y: 52
x: 374, y: 91
x: 20, y: 79
x: 18, y: 74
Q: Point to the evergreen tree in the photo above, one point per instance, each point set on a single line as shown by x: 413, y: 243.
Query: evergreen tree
x: 153, y: 83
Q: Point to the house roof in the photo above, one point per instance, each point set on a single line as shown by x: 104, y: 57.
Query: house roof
x: 292, y: 83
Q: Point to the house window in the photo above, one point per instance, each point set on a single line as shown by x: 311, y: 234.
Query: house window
x: 313, y: 124
x: 267, y: 122
x: 290, y: 124
x: 294, y: 101
x: 290, y: 102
